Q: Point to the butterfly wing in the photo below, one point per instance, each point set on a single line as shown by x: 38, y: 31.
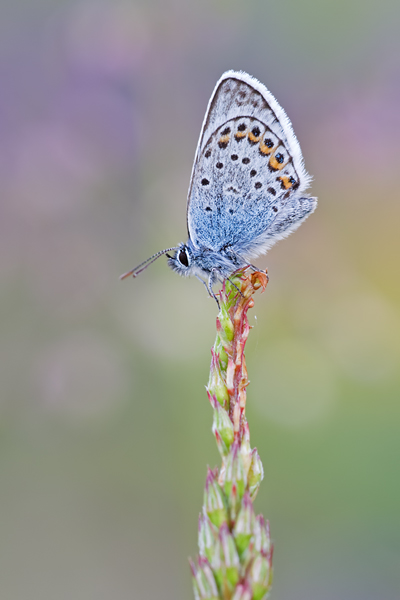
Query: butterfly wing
x: 248, y: 175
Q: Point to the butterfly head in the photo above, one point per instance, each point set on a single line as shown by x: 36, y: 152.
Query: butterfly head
x: 182, y: 260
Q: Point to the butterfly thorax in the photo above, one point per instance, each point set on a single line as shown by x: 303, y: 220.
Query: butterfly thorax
x: 189, y: 260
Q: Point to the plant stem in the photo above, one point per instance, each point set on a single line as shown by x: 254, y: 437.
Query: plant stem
x: 235, y: 550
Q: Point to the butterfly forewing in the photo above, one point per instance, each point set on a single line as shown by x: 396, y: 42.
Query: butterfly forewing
x: 248, y: 165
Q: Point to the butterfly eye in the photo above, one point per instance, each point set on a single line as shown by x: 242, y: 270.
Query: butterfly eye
x: 183, y: 258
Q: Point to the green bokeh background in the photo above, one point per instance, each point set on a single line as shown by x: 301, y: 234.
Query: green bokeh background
x: 104, y: 420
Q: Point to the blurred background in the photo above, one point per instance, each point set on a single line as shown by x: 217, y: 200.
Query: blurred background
x: 104, y: 420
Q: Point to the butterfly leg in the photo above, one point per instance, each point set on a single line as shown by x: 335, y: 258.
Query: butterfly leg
x: 235, y: 286
x: 257, y: 270
x: 204, y: 283
x: 215, y: 275
x: 242, y: 261
x: 209, y: 287
x: 253, y: 268
x: 211, y: 280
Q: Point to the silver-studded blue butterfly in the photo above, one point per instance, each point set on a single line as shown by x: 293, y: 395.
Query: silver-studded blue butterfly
x: 247, y: 185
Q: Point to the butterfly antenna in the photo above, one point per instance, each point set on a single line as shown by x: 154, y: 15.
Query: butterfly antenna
x: 135, y: 272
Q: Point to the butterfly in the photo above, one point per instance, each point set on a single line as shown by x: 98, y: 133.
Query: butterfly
x: 248, y: 183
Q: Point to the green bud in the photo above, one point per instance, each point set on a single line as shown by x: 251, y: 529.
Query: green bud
x: 259, y: 577
x: 245, y: 448
x: 208, y: 536
x: 220, y: 445
x: 214, y: 501
x: 262, y: 538
x: 223, y: 358
x: 256, y: 473
x: 234, y: 472
x: 230, y: 562
x: 243, y: 592
x: 195, y: 575
x: 204, y: 584
x: 217, y: 565
x: 225, y: 326
x: 244, y: 525
x: 216, y: 384
x: 232, y: 290
x: 223, y: 426
x: 234, y: 503
x: 220, y: 353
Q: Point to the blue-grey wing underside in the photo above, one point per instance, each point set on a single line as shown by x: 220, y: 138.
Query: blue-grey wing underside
x: 248, y: 180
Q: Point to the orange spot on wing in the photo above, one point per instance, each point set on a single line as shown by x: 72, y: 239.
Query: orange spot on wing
x: 275, y: 165
x: 285, y: 182
x: 265, y: 149
x: 239, y: 135
x: 254, y: 138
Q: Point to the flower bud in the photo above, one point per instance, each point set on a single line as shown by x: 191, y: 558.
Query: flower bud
x: 216, y: 384
x: 262, y: 539
x: 208, y: 535
x: 204, y: 584
x: 235, y: 473
x: 223, y: 358
x: 256, y: 473
x: 223, y: 426
x: 214, y: 501
x: 243, y: 592
x: 230, y: 563
x: 260, y: 577
x: 245, y: 448
x: 230, y: 376
x: 244, y: 525
x: 225, y: 325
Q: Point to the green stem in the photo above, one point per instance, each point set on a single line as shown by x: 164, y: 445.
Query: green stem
x: 235, y: 551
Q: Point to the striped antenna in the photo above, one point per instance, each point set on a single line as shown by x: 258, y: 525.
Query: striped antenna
x: 137, y: 270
